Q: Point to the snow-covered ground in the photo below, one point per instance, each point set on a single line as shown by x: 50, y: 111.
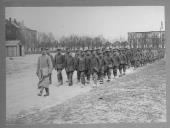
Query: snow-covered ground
x: 138, y: 97
x: 21, y: 88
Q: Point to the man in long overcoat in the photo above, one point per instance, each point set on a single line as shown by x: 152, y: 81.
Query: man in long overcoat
x: 87, y: 71
x: 108, y: 64
x: 70, y: 67
x: 44, y: 69
x: 116, y: 62
x: 81, y: 65
x: 123, y: 63
x: 94, y: 64
x: 101, y: 67
x: 77, y: 55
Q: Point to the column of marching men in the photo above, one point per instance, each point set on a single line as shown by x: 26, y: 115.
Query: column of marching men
x: 93, y: 65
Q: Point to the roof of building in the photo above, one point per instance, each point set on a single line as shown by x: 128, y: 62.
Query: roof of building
x: 12, y: 42
x: 19, y: 25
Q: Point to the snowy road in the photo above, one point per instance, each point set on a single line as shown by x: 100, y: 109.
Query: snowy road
x: 137, y: 97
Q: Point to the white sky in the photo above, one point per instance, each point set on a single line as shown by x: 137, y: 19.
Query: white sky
x: 112, y: 22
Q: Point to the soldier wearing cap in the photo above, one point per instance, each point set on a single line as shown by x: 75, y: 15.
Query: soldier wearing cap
x: 81, y: 66
x: 77, y: 55
x: 123, y: 63
x: 132, y: 60
x: 98, y: 53
x: 59, y: 65
x: 87, y: 71
x: 101, y: 67
x: 69, y: 67
x: 108, y: 64
x: 52, y: 60
x: 129, y: 57
x: 135, y: 57
x: 44, y: 69
x: 94, y: 65
x: 66, y: 55
x: 142, y: 58
x: 116, y: 62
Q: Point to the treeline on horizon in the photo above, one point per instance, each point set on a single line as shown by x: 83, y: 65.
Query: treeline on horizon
x: 76, y: 42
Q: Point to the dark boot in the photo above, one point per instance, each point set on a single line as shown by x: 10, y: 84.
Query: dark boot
x: 47, y: 92
x: 41, y: 91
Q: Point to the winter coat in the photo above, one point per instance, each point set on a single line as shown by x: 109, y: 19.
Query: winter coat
x: 94, y: 64
x: 81, y: 64
x: 76, y: 62
x: 44, y: 62
x: 88, y: 59
x: 116, y: 60
x: 123, y: 59
x: 59, y: 61
x: 108, y: 61
x: 129, y: 56
x: 69, y: 64
x: 101, y: 63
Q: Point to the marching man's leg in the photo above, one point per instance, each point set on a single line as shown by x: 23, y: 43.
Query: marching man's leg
x: 120, y: 70
x: 41, y: 91
x: 70, y: 75
x: 82, y: 77
x: 78, y: 76
x: 47, y: 92
x: 124, y: 69
x: 94, y: 79
x: 109, y: 74
x: 59, y: 76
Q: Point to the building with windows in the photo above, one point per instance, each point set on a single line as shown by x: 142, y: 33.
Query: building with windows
x: 151, y: 39
x: 17, y: 31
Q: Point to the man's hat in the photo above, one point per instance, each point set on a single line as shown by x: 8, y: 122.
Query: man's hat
x: 85, y: 50
x: 92, y: 49
x: 77, y: 50
x: 58, y: 49
x: 67, y: 49
x: 42, y: 49
x: 121, y: 49
x: 115, y: 50
x: 100, y: 52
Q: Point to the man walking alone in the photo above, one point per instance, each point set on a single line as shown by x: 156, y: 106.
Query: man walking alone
x: 44, y: 69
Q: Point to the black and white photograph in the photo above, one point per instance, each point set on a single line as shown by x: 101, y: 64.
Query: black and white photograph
x: 85, y: 65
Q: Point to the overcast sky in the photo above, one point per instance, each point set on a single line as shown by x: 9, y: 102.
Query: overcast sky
x: 112, y: 22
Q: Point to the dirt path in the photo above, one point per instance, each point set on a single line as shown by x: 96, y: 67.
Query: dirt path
x: 137, y: 97
x: 21, y: 88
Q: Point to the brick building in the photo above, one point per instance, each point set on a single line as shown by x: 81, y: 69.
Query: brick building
x: 17, y: 31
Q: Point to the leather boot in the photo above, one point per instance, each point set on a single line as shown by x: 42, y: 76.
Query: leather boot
x: 47, y: 92
x: 41, y: 91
